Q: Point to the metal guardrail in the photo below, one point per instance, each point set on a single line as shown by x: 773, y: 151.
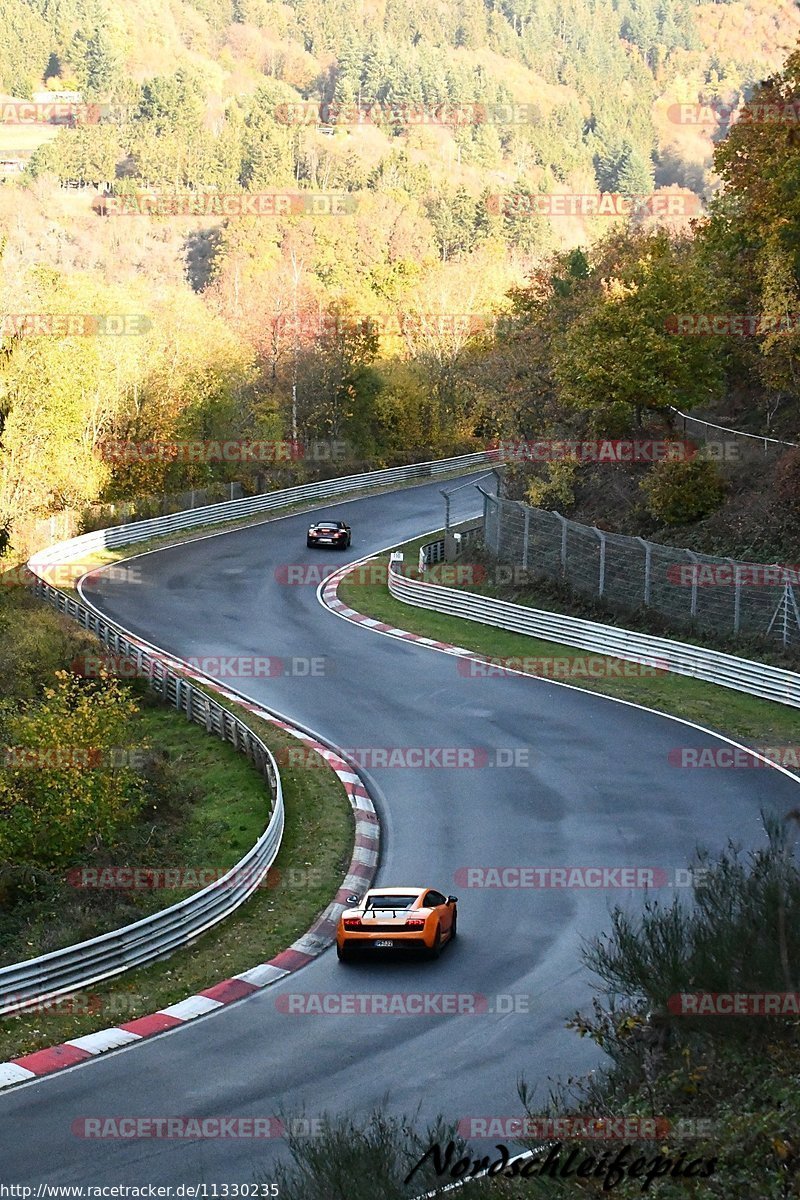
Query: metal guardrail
x: 140, y: 531
x: 48, y: 976
x: 680, y: 658
x: 36, y: 980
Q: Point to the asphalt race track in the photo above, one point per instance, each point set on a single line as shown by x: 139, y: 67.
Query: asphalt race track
x: 598, y: 790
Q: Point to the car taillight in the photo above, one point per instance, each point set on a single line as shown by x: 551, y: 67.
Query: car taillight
x: 415, y: 923
x: 353, y: 923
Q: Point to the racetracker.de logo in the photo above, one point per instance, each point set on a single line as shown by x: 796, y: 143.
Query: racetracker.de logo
x: 578, y: 666
x: 589, y: 878
x: 380, y: 113
x: 600, y: 450
x: 158, y: 203
x: 412, y: 757
x: 735, y: 1004
x: 596, y: 204
x: 733, y: 574
x: 732, y: 324
x: 72, y: 758
x: 736, y: 757
x: 230, y: 450
x: 115, y: 1007
x: 402, y: 1004
x: 716, y: 112
x: 74, y: 325
x: 50, y: 112
x: 65, y: 575
x: 147, y: 879
x: 129, y: 1128
x: 191, y: 878
x: 565, y: 1128
x: 217, y: 666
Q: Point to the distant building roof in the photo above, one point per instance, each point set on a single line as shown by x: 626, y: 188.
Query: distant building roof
x: 57, y: 97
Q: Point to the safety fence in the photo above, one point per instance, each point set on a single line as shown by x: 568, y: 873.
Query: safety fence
x: 719, y: 595
x: 697, y: 662
x: 709, y: 432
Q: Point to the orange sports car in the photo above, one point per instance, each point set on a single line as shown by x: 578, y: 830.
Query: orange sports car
x: 399, y: 918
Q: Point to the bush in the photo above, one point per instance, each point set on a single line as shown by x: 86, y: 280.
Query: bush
x: 741, y: 935
x: 35, y: 642
x: 679, y: 491
x: 360, y: 1160
x: 62, y: 784
x: 557, y: 490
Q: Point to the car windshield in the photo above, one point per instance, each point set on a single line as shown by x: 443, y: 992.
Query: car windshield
x: 390, y: 901
x: 328, y: 528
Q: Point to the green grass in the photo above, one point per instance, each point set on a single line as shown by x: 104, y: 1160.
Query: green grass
x: 314, y: 857
x: 205, y: 807
x: 735, y: 713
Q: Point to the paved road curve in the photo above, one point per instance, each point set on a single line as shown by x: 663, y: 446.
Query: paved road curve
x: 598, y: 790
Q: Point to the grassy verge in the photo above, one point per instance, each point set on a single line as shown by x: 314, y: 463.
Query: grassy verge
x: 734, y: 713
x: 206, y: 806
x: 213, y: 805
x: 315, y: 853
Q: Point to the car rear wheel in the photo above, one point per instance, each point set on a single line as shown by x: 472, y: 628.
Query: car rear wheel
x: 343, y: 954
x: 454, y: 926
x: 309, y: 543
x: 436, y: 948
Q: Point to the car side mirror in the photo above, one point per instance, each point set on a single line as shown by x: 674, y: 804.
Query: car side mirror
x: 452, y: 899
x: 353, y: 899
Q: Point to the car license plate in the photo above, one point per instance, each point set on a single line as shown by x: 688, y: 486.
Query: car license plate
x: 325, y: 541
x: 383, y: 943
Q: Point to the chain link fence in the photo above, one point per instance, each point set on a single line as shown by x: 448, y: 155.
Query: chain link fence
x: 719, y: 595
x: 708, y: 432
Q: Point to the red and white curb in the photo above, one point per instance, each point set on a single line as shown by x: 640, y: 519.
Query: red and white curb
x: 328, y: 593
x: 322, y: 933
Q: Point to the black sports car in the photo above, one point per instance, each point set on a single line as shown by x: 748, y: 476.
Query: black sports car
x: 329, y: 533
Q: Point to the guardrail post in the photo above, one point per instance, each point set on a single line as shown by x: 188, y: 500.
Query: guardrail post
x: 695, y: 562
x: 446, y: 507
x: 602, y: 579
x: 648, y: 563
x: 737, y: 595
x: 563, y: 521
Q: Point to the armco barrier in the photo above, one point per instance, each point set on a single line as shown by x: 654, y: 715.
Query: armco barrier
x: 55, y: 974
x: 140, y: 531
x: 62, y: 971
x: 741, y: 674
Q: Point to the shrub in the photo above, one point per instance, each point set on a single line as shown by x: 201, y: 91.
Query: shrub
x: 679, y: 491
x: 61, y: 785
x: 557, y: 490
